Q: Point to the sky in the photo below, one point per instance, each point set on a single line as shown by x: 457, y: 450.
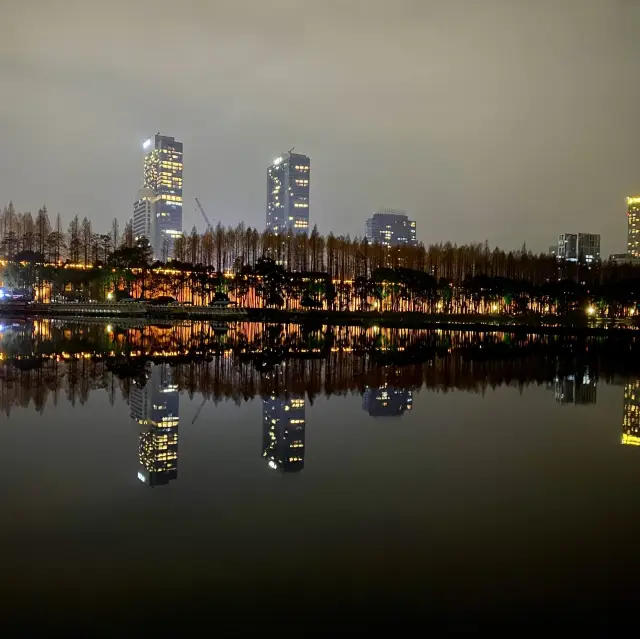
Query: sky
x: 502, y: 120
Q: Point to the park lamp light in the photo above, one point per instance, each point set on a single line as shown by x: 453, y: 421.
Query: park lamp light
x: 591, y: 310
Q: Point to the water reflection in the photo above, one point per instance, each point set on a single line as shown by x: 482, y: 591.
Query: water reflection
x: 155, y: 405
x: 577, y: 388
x: 387, y: 401
x: 287, y: 367
x: 631, y: 418
x: 283, y: 430
x: 485, y: 474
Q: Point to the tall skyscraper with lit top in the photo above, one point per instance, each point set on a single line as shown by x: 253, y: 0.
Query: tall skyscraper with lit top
x: 163, y: 167
x: 633, y: 226
x: 288, y: 193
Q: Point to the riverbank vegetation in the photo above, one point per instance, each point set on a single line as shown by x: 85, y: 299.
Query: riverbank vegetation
x: 299, y: 272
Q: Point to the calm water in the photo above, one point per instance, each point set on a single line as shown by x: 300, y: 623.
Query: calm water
x: 305, y: 492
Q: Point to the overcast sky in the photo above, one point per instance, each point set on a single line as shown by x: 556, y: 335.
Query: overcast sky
x: 506, y: 120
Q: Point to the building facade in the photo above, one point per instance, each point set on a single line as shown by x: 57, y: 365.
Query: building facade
x: 621, y: 259
x: 163, y: 169
x: 575, y: 247
x: 391, y: 228
x: 144, y: 218
x: 633, y: 226
x: 288, y: 181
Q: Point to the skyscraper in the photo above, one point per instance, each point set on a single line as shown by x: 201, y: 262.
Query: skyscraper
x: 163, y: 167
x: 288, y: 193
x: 155, y: 407
x: 283, y: 426
x: 633, y: 226
x: 389, y: 227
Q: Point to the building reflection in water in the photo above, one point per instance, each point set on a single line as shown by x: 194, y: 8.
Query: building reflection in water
x: 576, y: 389
x: 155, y: 407
x: 387, y: 401
x: 283, y: 429
x: 631, y: 417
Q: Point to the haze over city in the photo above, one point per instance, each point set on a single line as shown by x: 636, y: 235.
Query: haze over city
x: 508, y: 120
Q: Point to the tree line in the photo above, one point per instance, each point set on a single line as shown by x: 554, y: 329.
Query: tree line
x: 27, y: 234
x: 229, y: 249
x: 261, y: 268
x: 452, y: 360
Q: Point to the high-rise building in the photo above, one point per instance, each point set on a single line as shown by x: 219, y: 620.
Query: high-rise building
x: 144, y: 218
x: 573, y: 247
x: 283, y: 426
x: 633, y: 226
x: 155, y: 406
x: 389, y: 227
x: 387, y: 401
x: 163, y: 168
x: 631, y: 418
x: 288, y: 193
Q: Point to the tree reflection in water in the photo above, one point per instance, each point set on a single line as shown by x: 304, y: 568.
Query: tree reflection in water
x: 290, y: 364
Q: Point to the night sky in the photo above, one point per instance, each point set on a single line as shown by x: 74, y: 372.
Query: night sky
x: 506, y: 120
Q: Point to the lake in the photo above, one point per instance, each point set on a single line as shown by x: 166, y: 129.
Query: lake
x: 287, y: 480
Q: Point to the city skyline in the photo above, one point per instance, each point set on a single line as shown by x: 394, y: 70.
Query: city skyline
x: 470, y: 141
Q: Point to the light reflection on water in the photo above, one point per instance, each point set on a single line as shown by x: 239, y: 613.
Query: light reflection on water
x: 498, y: 474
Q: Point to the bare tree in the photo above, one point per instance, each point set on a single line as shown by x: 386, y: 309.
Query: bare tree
x: 115, y: 234
x: 74, y: 240
x: 86, y: 237
x: 42, y: 230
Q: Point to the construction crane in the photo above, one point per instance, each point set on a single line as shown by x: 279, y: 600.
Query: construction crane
x: 193, y: 421
x: 204, y: 215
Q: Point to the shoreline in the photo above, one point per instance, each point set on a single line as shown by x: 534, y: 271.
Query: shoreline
x: 387, y: 319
